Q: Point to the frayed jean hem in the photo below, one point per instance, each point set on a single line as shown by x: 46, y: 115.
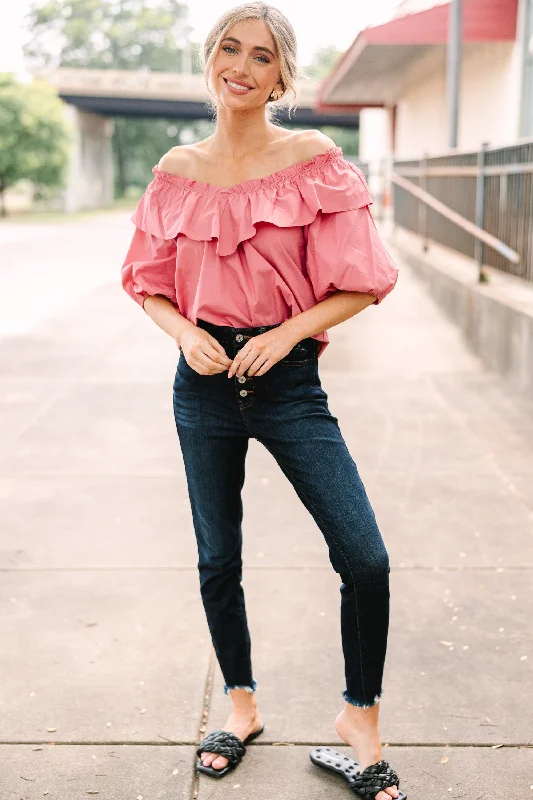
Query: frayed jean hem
x: 249, y: 689
x: 353, y: 702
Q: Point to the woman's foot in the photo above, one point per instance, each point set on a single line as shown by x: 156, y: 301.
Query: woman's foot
x: 359, y: 728
x: 243, y: 720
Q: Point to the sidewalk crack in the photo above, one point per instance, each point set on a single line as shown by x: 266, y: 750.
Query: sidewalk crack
x: 203, y: 724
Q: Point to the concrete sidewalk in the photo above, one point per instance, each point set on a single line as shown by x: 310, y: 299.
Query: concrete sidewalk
x: 108, y: 674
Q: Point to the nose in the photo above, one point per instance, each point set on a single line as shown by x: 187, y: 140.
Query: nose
x: 239, y: 65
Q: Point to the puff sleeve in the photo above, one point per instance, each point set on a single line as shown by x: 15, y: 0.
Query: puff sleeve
x: 149, y: 267
x: 344, y: 250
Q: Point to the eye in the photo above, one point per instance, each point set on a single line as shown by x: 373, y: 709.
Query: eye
x: 228, y: 47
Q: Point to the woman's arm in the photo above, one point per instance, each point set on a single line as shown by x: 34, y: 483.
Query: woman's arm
x: 265, y: 350
x: 165, y: 315
x: 201, y: 350
x: 335, y: 309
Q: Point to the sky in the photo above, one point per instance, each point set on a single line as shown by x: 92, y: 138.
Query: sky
x: 335, y: 22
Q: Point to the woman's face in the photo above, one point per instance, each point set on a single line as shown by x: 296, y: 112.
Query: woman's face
x: 246, y: 66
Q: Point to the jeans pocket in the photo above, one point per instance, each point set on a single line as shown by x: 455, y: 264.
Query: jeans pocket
x: 305, y: 352
x: 296, y: 362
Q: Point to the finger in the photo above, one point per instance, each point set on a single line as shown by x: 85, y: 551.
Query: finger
x: 208, y: 355
x: 266, y: 366
x: 214, y: 344
x: 215, y: 356
x: 256, y: 366
x: 235, y: 364
x: 197, y: 365
x: 246, y: 362
x: 204, y: 363
x: 213, y: 367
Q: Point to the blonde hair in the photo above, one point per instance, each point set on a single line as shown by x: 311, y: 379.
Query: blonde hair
x: 284, y: 39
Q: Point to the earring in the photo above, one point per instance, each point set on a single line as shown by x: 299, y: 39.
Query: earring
x: 276, y: 94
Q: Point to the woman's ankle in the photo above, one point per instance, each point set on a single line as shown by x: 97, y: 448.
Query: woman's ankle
x: 243, y: 701
x: 363, y: 714
x: 353, y: 721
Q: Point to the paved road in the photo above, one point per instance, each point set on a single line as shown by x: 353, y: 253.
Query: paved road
x: 108, y: 674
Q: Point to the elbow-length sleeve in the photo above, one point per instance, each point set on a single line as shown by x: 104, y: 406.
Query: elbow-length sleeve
x: 344, y: 250
x: 149, y: 267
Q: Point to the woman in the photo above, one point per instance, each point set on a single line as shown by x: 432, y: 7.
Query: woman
x: 248, y: 246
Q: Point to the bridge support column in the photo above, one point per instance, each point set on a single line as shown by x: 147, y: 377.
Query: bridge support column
x: 90, y: 173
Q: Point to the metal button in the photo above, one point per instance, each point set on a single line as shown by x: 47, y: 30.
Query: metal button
x: 242, y: 378
x: 239, y: 337
x: 243, y: 393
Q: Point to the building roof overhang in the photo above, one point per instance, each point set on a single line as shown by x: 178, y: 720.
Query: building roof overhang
x: 372, y: 71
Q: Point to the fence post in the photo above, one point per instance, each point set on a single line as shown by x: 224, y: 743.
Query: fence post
x: 479, y: 247
x: 422, y: 207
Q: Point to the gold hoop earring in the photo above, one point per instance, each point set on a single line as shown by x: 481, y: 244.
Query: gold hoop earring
x: 276, y: 94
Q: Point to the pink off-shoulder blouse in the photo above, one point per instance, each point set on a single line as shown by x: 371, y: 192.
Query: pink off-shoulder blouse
x: 261, y: 251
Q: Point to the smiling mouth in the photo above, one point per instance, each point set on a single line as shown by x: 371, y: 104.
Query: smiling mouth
x: 237, y: 86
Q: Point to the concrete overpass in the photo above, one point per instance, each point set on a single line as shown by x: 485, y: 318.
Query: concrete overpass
x: 92, y: 96
x: 168, y: 94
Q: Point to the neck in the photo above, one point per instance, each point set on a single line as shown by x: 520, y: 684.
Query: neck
x: 240, y: 134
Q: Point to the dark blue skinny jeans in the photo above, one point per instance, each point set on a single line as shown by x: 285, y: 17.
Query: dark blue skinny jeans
x: 286, y: 410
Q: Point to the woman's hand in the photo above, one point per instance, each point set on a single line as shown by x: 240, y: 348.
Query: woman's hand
x: 262, y: 352
x: 203, y: 352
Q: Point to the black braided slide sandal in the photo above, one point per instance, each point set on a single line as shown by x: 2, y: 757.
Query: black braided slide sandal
x: 366, y: 784
x: 226, y: 744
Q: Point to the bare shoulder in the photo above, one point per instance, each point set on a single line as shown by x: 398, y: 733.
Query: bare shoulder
x: 311, y: 143
x: 179, y: 160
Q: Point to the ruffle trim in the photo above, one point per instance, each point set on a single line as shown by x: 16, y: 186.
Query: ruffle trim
x: 173, y: 205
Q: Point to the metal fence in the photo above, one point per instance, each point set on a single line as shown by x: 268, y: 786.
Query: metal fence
x: 492, y: 188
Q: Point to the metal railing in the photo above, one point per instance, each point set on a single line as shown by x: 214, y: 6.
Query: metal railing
x: 478, y: 203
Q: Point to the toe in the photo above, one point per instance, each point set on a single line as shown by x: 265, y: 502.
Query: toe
x: 208, y: 758
x: 392, y: 791
x: 387, y: 794
x: 220, y: 762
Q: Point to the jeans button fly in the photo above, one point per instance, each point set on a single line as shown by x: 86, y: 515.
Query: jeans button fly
x: 243, y: 393
x: 239, y: 337
x: 242, y: 378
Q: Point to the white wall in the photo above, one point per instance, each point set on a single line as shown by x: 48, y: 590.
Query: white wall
x: 375, y: 133
x: 421, y: 110
x: 489, y: 103
x: 375, y: 148
x: 490, y: 107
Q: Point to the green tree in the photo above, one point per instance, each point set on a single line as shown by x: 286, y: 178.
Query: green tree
x: 321, y: 65
x: 347, y: 138
x: 116, y: 34
x: 145, y: 140
x: 34, y: 135
x: 105, y: 34
x: 322, y: 62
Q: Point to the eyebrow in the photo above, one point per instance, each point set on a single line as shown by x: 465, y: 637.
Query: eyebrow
x: 233, y: 39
